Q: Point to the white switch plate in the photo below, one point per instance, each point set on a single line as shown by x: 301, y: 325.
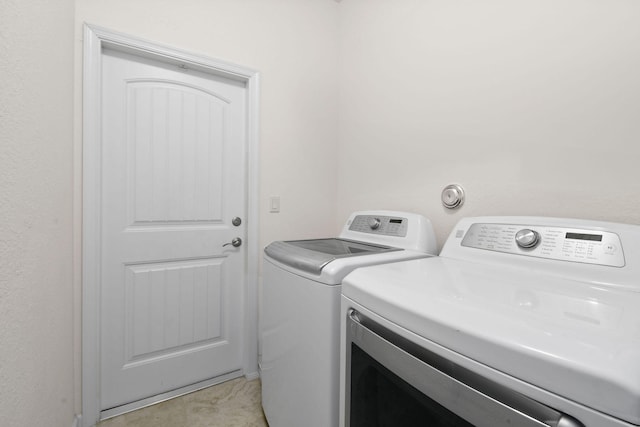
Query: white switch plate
x: 274, y: 204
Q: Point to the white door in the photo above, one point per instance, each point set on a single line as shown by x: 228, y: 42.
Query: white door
x: 173, y: 179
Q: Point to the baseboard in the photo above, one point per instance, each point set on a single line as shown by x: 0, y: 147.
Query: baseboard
x: 119, y: 410
x: 252, y: 376
x: 77, y: 421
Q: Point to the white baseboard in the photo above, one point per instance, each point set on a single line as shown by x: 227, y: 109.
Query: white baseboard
x: 250, y: 376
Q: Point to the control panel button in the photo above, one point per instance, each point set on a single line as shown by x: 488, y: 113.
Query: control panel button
x: 374, y: 223
x: 527, y: 238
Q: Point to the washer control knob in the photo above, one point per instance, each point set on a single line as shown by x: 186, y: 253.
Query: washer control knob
x: 527, y: 238
x: 374, y: 223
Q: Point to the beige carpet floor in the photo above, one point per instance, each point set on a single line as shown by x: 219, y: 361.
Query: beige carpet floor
x: 235, y: 403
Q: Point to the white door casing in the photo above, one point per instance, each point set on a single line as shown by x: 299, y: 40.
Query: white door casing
x: 169, y: 160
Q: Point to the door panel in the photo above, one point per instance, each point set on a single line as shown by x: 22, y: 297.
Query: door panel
x: 173, y: 177
x: 170, y: 306
x: 177, y: 152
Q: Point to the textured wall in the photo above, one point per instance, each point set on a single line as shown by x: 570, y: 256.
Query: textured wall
x: 36, y: 146
x: 531, y: 105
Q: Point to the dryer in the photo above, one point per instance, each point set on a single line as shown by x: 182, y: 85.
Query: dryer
x: 300, y: 317
x: 521, y: 321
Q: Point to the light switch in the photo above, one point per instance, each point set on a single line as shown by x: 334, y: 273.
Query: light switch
x: 274, y: 204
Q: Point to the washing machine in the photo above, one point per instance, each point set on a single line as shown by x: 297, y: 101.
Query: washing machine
x: 300, y: 310
x: 521, y: 321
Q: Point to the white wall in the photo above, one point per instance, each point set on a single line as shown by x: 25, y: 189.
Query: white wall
x: 532, y: 106
x: 36, y: 249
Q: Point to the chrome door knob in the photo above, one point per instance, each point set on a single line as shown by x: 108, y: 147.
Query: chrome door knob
x: 235, y: 242
x: 527, y: 238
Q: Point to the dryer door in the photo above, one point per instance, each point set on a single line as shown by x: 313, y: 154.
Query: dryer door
x: 391, y: 381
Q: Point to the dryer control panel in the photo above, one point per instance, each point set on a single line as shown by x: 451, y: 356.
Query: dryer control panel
x: 557, y: 243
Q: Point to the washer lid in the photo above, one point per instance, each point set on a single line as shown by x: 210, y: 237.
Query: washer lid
x: 313, y: 255
x: 573, y: 338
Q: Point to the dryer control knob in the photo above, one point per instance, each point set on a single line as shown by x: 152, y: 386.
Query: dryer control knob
x: 374, y: 223
x: 527, y: 238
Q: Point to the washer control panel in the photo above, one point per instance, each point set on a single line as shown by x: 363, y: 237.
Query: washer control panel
x: 378, y: 224
x: 557, y: 243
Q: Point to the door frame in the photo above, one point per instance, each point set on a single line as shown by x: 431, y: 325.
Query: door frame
x: 95, y: 39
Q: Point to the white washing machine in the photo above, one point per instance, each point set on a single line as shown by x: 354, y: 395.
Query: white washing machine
x: 521, y: 321
x: 300, y: 317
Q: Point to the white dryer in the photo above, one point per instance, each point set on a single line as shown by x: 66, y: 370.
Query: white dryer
x: 300, y: 317
x: 521, y: 321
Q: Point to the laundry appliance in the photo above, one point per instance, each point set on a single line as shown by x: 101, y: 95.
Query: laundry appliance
x: 521, y: 321
x: 300, y: 317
